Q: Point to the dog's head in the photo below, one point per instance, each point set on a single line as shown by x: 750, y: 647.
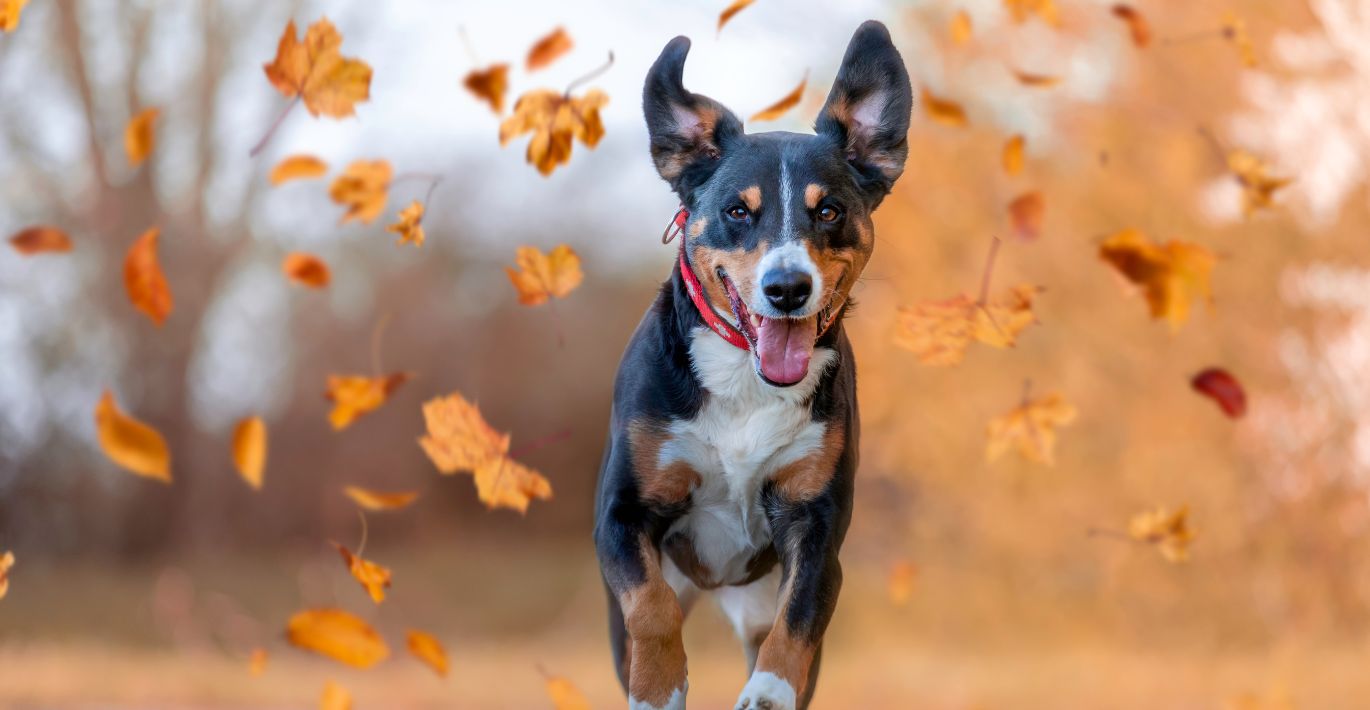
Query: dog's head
x: 780, y: 223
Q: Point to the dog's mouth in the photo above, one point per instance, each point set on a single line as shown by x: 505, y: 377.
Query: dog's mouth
x: 781, y: 347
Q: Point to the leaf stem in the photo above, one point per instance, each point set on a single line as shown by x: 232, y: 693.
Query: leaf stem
x: 548, y: 440
x: 988, y: 271
x: 576, y: 83
x: 361, y: 546
x: 1105, y: 532
x: 272, y: 130
x: 468, y: 45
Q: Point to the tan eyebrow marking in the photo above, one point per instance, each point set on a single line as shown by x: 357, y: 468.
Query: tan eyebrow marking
x: 751, y: 197
x: 813, y: 193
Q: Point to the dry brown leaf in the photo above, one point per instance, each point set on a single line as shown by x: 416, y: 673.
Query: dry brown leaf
x: 380, y: 500
x: 335, y: 697
x: 1012, y: 157
x: 39, y: 239
x: 459, y: 439
x: 1030, y: 428
x: 305, y: 269
x: 249, y: 450
x: 553, y: 46
x: 140, y: 136
x: 362, y: 188
x: 298, y: 167
x: 787, y: 102
x: 256, y: 662
x: 1172, y: 275
x: 565, y: 695
x: 943, y: 111
x: 961, y: 28
x: 731, y: 10
x: 1168, y: 531
x: 489, y: 85
x: 554, y: 119
x: 427, y: 648
x: 373, y: 577
x: 143, y: 278
x: 131, y: 444
x: 339, y: 635
x: 1026, y: 213
x: 9, y: 16
x: 1136, y: 24
x: 6, y: 563
x: 1234, y: 31
x: 410, y: 226
x: 542, y: 276
x: 900, y: 584
x: 1021, y: 10
x: 355, y: 395
x: 1258, y: 188
x: 939, y: 332
x: 1036, y: 81
x: 315, y: 71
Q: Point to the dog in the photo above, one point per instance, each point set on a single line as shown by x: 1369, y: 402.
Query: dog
x: 732, y: 449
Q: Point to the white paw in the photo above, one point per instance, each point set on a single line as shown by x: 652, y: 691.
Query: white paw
x: 766, y: 691
x: 675, y: 702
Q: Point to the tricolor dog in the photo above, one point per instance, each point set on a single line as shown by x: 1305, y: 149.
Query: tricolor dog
x: 733, y: 440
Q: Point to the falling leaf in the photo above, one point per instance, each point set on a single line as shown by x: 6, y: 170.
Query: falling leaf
x: 362, y: 189
x: 6, y: 562
x: 1258, y: 188
x: 1234, y: 31
x: 961, y: 27
x: 459, y: 439
x: 249, y: 450
x: 39, y: 239
x: 256, y: 662
x: 9, y: 20
x: 139, y: 136
x: 130, y: 443
x: 1027, y: 212
x: 338, y: 635
x: 901, y: 581
x: 143, y: 279
x: 428, y: 649
x: 1169, y: 532
x: 489, y: 85
x: 1220, y: 386
x: 314, y: 70
x: 379, y: 500
x: 1136, y: 24
x: 1012, y: 157
x: 355, y: 395
x: 335, y: 697
x: 731, y: 10
x: 541, y: 276
x: 787, y: 102
x: 554, y: 119
x: 1021, y: 10
x: 298, y: 167
x: 1172, y: 275
x: 565, y: 695
x: 549, y: 49
x: 1036, y: 81
x: 305, y: 269
x: 946, y: 112
x: 1030, y: 428
x: 410, y: 227
x: 373, y: 577
x: 938, y: 332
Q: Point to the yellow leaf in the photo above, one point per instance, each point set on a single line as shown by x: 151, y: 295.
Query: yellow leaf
x: 314, y: 70
x: 900, y: 585
x: 362, y: 188
x: 1039, y: 81
x: 428, y: 649
x: 6, y: 562
x: 256, y: 662
x: 249, y: 450
x: 1136, y: 24
x: 961, y: 27
x: 338, y: 635
x: 1168, y: 531
x: 1027, y: 212
x: 9, y: 14
x: 130, y: 443
x: 1030, y: 428
x: 1021, y: 10
x: 298, y: 167
x: 1258, y: 188
x: 1234, y: 31
x: 731, y: 10
x: 40, y: 238
x: 373, y: 577
x: 139, y: 136
x: 335, y: 697
x: 1172, y: 275
x: 541, y: 276
x: 554, y: 119
x: 549, y: 49
x: 379, y: 500
x: 489, y: 85
x: 459, y: 439
x: 1013, y: 155
x: 305, y: 269
x: 565, y: 695
x: 355, y: 395
x: 938, y: 332
x: 410, y: 226
x: 945, y: 112
x: 143, y: 278
x: 787, y: 102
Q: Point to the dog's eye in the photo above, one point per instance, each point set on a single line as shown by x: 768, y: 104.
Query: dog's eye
x: 828, y: 213
x: 737, y: 213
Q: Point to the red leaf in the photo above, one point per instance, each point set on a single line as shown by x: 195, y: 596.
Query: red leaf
x: 1219, y: 385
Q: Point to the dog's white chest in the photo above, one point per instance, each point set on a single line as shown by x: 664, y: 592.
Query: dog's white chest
x: 745, y: 431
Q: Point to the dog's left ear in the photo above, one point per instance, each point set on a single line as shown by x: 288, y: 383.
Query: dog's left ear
x: 868, y: 109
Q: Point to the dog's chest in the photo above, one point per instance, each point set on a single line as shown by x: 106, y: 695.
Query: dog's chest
x: 745, y: 431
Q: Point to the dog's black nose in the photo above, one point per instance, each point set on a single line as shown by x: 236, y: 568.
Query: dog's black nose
x: 787, y: 290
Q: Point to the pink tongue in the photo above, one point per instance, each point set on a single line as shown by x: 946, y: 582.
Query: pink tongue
x: 784, y: 347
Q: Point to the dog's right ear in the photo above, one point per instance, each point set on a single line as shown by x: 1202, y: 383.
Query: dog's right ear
x: 689, y: 132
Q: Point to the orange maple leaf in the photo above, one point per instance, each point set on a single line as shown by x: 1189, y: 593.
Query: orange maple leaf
x: 355, y: 395
x: 731, y: 10
x: 410, y: 226
x: 39, y: 239
x: 1168, y: 531
x: 9, y: 14
x: 362, y: 189
x: 787, y: 102
x: 555, y: 119
x: 1012, y: 157
x: 1258, y: 187
x: 943, y: 111
x: 140, y: 136
x: 548, y: 49
x: 373, y: 577
x: 1136, y: 24
x: 143, y: 278
x: 131, y: 444
x: 459, y: 439
x: 939, y: 332
x: 6, y: 562
x: 1030, y: 428
x: 306, y: 269
x: 249, y: 450
x: 1026, y: 213
x: 542, y: 276
x: 339, y: 635
x: 297, y: 167
x: 379, y: 500
x: 316, y: 72
x: 489, y: 85
x: 1171, y: 275
x: 427, y: 648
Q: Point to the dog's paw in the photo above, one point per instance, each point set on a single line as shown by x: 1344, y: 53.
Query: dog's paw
x: 766, y: 691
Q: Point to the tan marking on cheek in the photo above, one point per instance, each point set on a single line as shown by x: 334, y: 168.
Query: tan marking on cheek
x: 739, y: 264
x: 840, y: 269
x: 659, y: 484
x: 697, y: 226
x: 812, y: 194
x: 751, y: 197
x: 807, y: 478
x: 653, y: 618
